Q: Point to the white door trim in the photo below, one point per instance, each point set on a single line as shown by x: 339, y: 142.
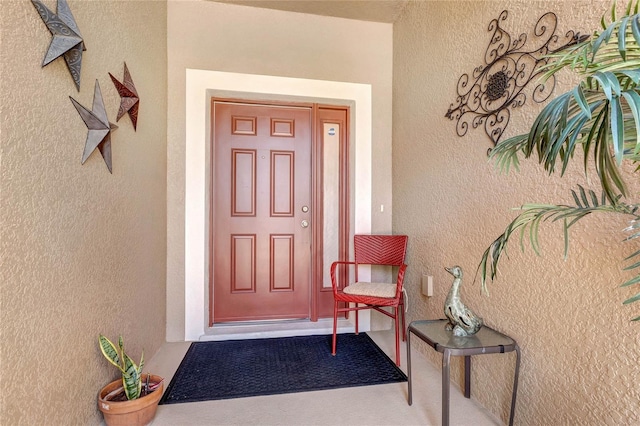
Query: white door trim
x: 198, y: 84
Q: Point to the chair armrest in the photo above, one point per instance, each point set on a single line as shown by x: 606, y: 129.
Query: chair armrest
x: 400, y: 279
x: 334, y: 265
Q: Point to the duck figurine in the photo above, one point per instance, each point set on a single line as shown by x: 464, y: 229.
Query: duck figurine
x: 462, y: 320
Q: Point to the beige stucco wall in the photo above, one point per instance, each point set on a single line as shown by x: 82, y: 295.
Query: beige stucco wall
x: 238, y: 39
x: 82, y: 251
x: 579, y: 351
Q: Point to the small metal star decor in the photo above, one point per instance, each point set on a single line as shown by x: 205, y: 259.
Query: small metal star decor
x: 66, y: 40
x: 99, y: 135
x: 487, y: 97
x: 129, y: 101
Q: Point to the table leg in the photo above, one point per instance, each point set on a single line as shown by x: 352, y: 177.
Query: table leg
x: 446, y: 358
x: 467, y: 376
x: 515, y: 386
x: 410, y: 399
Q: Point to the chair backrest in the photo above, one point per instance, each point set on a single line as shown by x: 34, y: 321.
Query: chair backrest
x: 380, y: 249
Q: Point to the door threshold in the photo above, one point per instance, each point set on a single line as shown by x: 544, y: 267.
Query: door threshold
x: 269, y: 329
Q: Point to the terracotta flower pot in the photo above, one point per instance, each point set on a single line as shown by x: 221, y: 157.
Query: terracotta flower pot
x: 136, y: 412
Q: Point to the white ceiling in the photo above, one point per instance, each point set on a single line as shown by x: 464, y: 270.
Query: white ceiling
x: 364, y: 10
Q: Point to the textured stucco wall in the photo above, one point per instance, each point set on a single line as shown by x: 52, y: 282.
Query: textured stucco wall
x: 221, y: 37
x: 82, y: 251
x: 579, y: 350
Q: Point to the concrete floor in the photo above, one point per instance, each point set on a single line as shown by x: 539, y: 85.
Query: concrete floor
x: 367, y: 405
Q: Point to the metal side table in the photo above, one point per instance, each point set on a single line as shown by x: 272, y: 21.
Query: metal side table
x: 485, y: 341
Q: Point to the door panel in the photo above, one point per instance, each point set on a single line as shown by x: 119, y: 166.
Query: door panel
x: 332, y: 149
x: 261, y: 233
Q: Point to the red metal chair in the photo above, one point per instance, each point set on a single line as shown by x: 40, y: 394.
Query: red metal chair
x: 388, y: 250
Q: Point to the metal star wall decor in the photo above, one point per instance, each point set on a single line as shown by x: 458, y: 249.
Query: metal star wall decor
x: 504, y: 81
x: 66, y: 40
x: 129, y: 101
x: 99, y: 135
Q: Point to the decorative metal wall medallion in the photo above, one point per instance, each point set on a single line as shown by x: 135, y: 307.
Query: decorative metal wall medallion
x: 66, y: 38
x: 509, y: 75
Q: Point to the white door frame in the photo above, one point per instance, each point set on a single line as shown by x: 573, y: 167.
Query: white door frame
x: 199, y: 87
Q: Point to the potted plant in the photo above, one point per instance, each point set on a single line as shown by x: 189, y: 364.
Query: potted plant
x: 601, y: 115
x: 133, y: 399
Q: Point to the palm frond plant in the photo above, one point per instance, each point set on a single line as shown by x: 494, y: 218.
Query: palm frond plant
x: 601, y: 116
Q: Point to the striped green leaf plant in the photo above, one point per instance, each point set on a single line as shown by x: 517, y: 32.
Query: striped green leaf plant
x: 131, y: 373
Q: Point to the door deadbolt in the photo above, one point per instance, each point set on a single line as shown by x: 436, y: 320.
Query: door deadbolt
x: 305, y: 209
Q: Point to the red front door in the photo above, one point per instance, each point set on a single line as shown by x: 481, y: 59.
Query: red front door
x: 261, y: 210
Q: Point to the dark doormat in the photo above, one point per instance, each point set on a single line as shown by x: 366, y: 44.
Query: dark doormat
x: 242, y: 368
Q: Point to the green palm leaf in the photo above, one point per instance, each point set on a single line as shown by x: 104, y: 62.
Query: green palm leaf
x: 532, y: 215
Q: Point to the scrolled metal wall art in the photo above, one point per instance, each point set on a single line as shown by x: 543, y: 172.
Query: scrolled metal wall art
x: 505, y: 80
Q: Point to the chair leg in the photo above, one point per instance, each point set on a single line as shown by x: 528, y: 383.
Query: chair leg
x: 335, y: 327
x: 404, y: 328
x: 402, y: 312
x: 356, y: 319
x: 397, y: 336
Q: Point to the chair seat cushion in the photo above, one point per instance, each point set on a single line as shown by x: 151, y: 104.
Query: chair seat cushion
x: 371, y: 289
